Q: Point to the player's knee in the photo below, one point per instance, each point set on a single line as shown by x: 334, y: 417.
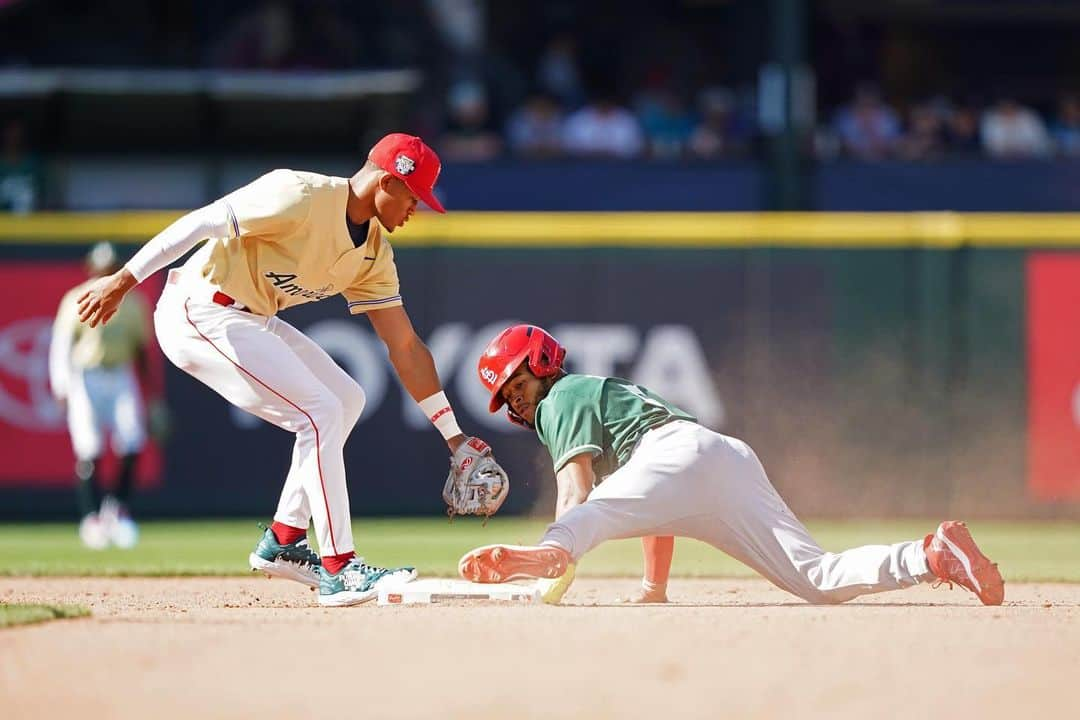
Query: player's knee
x: 814, y: 588
x: 815, y: 596
x: 85, y: 469
x: 326, y: 410
x: 353, y: 405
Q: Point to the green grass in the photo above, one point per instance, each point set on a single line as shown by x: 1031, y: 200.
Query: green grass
x: 1025, y: 551
x: 11, y: 615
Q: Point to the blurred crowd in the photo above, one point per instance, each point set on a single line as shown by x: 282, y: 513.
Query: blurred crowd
x: 869, y: 128
x: 546, y: 81
x: 656, y: 123
x: 719, y: 123
x: 562, y: 100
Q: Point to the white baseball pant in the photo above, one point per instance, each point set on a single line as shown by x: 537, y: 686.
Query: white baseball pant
x: 269, y: 368
x: 684, y: 479
x: 105, y: 400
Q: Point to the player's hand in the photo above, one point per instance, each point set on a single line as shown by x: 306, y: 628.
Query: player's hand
x: 476, y: 484
x: 646, y: 596
x: 99, y: 302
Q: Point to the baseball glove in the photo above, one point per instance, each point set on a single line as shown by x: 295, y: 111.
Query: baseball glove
x: 476, y: 485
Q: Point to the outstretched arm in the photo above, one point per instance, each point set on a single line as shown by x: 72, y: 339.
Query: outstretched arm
x: 416, y: 368
x: 63, y: 336
x: 575, y: 481
x: 100, y: 301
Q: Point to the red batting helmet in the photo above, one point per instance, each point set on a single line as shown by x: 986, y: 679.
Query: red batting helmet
x: 513, y: 346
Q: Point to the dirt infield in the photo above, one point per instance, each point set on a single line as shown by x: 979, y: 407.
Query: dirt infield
x: 245, y: 648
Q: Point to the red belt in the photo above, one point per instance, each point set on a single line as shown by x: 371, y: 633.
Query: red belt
x: 219, y: 298
x: 222, y: 299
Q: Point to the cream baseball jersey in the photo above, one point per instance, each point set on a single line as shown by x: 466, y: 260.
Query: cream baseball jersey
x: 288, y: 244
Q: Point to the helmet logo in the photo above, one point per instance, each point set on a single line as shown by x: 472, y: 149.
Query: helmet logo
x: 489, y: 375
x: 404, y: 165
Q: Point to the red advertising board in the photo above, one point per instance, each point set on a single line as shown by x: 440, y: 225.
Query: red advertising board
x: 33, y: 430
x: 1053, y: 339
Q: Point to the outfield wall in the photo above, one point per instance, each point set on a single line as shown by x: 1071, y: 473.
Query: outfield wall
x: 880, y: 364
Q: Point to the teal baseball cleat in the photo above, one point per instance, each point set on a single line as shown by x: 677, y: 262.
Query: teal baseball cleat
x: 293, y: 561
x: 358, y: 582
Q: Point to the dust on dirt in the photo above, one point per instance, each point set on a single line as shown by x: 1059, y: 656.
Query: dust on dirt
x: 245, y: 647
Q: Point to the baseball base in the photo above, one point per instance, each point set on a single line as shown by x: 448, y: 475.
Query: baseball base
x: 436, y: 590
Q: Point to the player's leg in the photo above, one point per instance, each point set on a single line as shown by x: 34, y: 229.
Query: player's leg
x: 293, y: 513
x: 86, y: 441
x: 644, y: 497
x: 290, y: 520
x: 129, y: 430
x: 234, y: 353
x: 326, y: 369
x: 752, y: 523
x: 353, y: 400
x: 128, y: 426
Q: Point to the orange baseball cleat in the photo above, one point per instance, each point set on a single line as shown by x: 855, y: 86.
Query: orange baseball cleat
x: 955, y: 558
x: 503, y: 563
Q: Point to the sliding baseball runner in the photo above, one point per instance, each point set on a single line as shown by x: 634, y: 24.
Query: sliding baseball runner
x: 630, y: 464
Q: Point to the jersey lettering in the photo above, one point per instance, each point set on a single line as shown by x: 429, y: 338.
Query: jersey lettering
x: 284, y: 283
x: 280, y: 279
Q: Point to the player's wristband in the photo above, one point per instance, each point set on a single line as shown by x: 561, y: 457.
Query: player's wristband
x: 438, y: 411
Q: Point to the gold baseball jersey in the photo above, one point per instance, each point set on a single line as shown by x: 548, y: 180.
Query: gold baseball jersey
x: 288, y: 244
x: 112, y: 344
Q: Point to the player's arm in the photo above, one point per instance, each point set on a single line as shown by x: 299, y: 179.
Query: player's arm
x: 575, y: 481
x: 63, y: 336
x: 102, y: 298
x: 415, y: 368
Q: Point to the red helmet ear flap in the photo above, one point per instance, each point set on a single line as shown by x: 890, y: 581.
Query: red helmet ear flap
x: 546, y: 355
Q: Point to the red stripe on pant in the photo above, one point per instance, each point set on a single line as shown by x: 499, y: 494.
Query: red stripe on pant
x: 318, y: 456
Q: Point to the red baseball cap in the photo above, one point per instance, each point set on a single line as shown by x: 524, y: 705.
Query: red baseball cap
x: 410, y: 160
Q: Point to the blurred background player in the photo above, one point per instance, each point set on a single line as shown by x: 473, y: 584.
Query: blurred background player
x: 92, y: 371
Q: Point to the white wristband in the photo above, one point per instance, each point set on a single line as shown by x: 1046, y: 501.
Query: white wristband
x: 438, y: 411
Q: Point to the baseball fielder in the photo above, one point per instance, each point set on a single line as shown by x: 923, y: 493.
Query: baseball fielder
x: 288, y: 238
x: 630, y: 464
x: 92, y: 374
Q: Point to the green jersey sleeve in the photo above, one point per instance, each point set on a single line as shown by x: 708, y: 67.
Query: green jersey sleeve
x: 569, y: 424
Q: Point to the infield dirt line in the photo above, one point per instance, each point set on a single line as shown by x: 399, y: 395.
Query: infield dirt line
x: 247, y: 647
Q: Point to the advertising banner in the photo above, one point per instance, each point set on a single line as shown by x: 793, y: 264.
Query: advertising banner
x: 694, y: 326
x: 33, y: 427
x: 1053, y: 294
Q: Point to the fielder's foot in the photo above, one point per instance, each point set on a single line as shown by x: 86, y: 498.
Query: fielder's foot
x: 93, y: 533
x: 954, y: 557
x: 503, y: 563
x: 358, y: 582
x: 120, y: 528
x: 292, y: 561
